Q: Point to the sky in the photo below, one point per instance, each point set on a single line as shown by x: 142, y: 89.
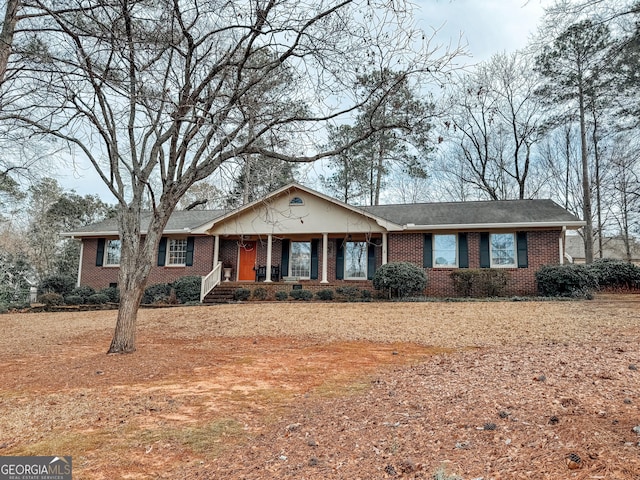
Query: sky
x: 484, y: 26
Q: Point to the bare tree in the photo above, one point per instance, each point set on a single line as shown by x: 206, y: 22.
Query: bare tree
x: 153, y: 94
x: 496, y: 122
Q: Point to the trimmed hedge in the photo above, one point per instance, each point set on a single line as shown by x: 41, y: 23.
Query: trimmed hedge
x: 51, y: 299
x: 187, y: 288
x: 611, y: 273
x: 61, y: 284
x: 241, y: 294
x: 259, y: 293
x: 326, y: 294
x: 569, y: 280
x: 112, y: 292
x: 156, y: 294
x: 281, y: 296
x: 97, y: 299
x: 482, y: 282
x: 301, y: 294
x: 74, y: 300
x: 400, y: 279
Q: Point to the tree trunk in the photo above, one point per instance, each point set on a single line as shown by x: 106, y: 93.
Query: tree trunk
x: 6, y: 35
x: 586, y: 190
x: 136, y: 258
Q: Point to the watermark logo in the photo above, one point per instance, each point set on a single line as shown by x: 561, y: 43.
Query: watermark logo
x: 35, y: 468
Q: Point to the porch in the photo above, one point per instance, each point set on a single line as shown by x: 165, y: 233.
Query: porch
x: 318, y: 260
x: 346, y: 290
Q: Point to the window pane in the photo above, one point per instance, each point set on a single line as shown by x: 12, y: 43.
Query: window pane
x: 502, y: 249
x: 355, y: 260
x: 113, y: 252
x: 177, y: 252
x: 445, y: 250
x: 300, y: 259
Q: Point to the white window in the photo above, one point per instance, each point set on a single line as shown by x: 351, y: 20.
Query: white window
x: 355, y: 260
x: 503, y: 250
x: 445, y: 250
x: 112, y: 252
x: 177, y: 251
x: 300, y: 259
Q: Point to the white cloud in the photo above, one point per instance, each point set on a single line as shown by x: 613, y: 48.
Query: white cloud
x: 486, y: 26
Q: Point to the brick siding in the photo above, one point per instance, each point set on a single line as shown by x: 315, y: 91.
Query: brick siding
x: 408, y: 247
x: 101, y: 277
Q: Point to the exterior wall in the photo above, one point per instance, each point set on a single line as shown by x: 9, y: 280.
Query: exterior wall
x: 543, y: 249
x: 101, y: 277
x: 542, y: 246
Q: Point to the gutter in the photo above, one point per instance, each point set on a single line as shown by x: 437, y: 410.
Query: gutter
x: 484, y: 226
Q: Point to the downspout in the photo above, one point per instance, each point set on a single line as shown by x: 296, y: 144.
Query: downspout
x: 562, y: 243
x: 80, y: 264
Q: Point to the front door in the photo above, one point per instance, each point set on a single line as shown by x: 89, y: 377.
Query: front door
x: 246, y: 270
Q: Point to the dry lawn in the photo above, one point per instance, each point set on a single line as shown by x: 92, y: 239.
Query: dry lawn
x: 490, y: 390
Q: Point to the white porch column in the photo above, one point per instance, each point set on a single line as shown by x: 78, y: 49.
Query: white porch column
x: 216, y: 251
x: 269, y: 248
x: 325, y: 254
x: 79, y: 264
x: 385, y: 249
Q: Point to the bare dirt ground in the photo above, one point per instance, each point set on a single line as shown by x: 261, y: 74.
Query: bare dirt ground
x: 491, y: 390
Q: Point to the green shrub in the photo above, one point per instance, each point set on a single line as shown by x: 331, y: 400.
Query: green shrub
x: 349, y: 292
x: 366, y: 295
x: 83, y: 291
x: 74, y: 300
x: 156, y: 293
x: 259, y: 293
x: 326, y: 294
x: 241, y: 294
x: 51, y: 299
x: 113, y: 293
x: 97, y: 299
x: 301, y: 294
x: 611, y: 273
x: 400, y: 279
x: 280, y: 295
x: 483, y: 282
x: 565, y: 280
x: 188, y: 288
x: 3, y: 308
x: 62, y: 284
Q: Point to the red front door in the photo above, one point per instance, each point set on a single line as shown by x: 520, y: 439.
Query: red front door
x: 246, y: 270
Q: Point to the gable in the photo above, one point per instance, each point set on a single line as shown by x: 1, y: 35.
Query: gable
x: 295, y: 211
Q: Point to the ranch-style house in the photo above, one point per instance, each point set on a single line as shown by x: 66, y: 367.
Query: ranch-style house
x: 299, y: 236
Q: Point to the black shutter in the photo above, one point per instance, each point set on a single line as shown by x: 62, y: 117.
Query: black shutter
x: 427, y: 250
x: 371, y: 261
x: 100, y: 252
x: 162, y: 251
x: 523, y: 257
x: 485, y: 255
x: 463, y: 251
x: 339, y: 260
x: 190, y: 246
x: 284, y: 259
x: 314, y: 259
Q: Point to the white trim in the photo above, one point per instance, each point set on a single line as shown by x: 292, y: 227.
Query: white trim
x: 289, y: 273
x: 267, y: 277
x: 433, y: 250
x: 515, y: 250
x: 385, y: 248
x: 168, y: 253
x: 80, y: 265
x: 366, y: 262
x: 105, y: 257
x: 496, y: 226
x: 386, y: 224
x: 325, y: 257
